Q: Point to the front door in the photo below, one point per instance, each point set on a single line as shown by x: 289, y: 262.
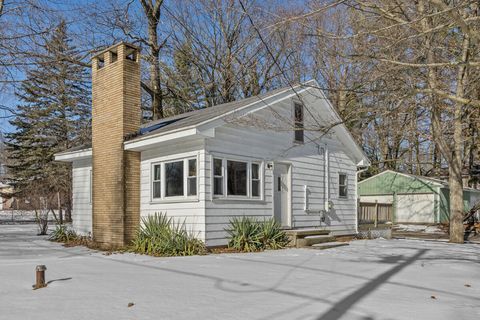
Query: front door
x: 281, y: 194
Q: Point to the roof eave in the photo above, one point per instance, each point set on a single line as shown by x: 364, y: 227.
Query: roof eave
x: 71, y: 156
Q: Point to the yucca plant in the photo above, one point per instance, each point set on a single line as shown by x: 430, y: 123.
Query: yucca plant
x: 245, y: 233
x: 159, y: 235
x: 248, y: 234
x: 272, y: 236
x: 63, y: 234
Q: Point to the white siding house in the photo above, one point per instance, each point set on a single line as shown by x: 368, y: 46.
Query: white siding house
x: 243, y: 158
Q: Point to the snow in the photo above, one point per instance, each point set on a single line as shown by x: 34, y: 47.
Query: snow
x: 369, y: 279
x: 418, y: 228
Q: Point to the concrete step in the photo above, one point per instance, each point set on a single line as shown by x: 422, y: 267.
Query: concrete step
x: 328, y: 245
x: 311, y: 240
x: 301, y: 233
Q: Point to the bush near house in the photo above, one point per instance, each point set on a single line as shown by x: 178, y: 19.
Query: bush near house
x: 159, y: 235
x: 69, y: 238
x: 248, y: 235
x: 63, y: 234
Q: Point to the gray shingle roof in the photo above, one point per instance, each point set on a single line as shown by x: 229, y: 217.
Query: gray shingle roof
x: 191, y: 118
x: 195, y: 117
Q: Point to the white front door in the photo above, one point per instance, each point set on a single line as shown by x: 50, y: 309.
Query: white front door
x: 281, y: 194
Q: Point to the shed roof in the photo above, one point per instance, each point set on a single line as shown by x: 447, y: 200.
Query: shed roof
x: 389, y: 182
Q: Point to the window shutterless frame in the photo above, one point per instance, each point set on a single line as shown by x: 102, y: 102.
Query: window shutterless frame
x: 220, y: 178
x: 158, y: 179
x: 342, y: 185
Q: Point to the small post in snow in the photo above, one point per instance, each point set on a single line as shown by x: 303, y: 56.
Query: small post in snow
x: 40, y: 277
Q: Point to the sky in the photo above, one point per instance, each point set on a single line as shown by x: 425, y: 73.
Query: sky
x: 84, y: 33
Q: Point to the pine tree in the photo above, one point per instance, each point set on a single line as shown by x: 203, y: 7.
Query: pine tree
x: 54, y: 115
x: 184, y: 92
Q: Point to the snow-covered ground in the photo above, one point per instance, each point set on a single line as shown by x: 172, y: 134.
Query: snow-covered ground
x: 20, y: 216
x: 418, y: 228
x: 370, y: 279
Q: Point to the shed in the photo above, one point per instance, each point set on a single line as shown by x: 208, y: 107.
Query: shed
x: 415, y: 199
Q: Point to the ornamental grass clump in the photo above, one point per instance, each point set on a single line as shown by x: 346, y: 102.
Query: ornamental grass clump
x: 272, y: 235
x: 159, y: 235
x: 248, y: 235
x: 63, y: 234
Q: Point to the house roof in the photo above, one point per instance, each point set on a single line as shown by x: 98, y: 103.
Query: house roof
x: 199, y: 121
x: 195, y: 117
x: 188, y: 119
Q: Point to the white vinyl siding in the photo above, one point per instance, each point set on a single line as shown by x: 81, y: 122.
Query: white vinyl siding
x: 249, y: 144
x: 82, y: 196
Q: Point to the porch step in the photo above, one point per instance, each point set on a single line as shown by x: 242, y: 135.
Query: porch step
x: 301, y: 233
x: 313, y: 240
x: 328, y: 245
x: 308, y: 236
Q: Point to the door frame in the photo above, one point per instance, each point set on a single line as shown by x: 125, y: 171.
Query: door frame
x: 289, y: 193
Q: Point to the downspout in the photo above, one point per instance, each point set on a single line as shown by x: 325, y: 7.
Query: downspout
x: 326, y: 171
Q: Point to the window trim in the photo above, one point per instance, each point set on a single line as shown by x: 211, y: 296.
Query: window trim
x: 222, y: 169
x: 249, y: 162
x: 164, y: 197
x: 344, y: 185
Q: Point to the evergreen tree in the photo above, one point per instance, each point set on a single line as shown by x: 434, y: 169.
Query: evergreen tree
x: 184, y: 93
x: 54, y: 115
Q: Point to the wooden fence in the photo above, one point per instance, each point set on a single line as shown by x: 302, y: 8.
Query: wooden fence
x: 375, y: 213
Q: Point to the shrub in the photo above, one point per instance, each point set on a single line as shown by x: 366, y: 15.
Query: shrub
x: 248, y: 234
x: 159, y: 235
x: 244, y: 234
x: 63, y: 234
x: 272, y: 235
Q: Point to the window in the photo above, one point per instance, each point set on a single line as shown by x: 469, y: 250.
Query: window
x: 156, y: 185
x: 298, y: 122
x: 342, y: 185
x: 192, y: 177
x: 174, y: 179
x: 217, y: 177
x: 237, y: 178
x: 255, y: 180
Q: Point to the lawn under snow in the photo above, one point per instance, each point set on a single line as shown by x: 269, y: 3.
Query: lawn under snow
x: 418, y: 228
x: 370, y: 279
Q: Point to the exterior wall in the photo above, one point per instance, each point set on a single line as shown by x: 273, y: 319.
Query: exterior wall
x: 82, y: 202
x: 380, y: 199
x: 188, y: 211
x: 243, y: 142
x: 471, y: 197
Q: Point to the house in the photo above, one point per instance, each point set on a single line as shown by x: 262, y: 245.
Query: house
x: 415, y: 199
x: 2, y: 190
x: 207, y: 166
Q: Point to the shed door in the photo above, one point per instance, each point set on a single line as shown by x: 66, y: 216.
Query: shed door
x: 417, y: 208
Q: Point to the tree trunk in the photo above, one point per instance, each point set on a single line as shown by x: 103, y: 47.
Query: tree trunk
x: 456, y: 206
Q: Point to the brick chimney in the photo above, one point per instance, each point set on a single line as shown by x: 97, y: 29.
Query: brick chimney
x: 116, y: 113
